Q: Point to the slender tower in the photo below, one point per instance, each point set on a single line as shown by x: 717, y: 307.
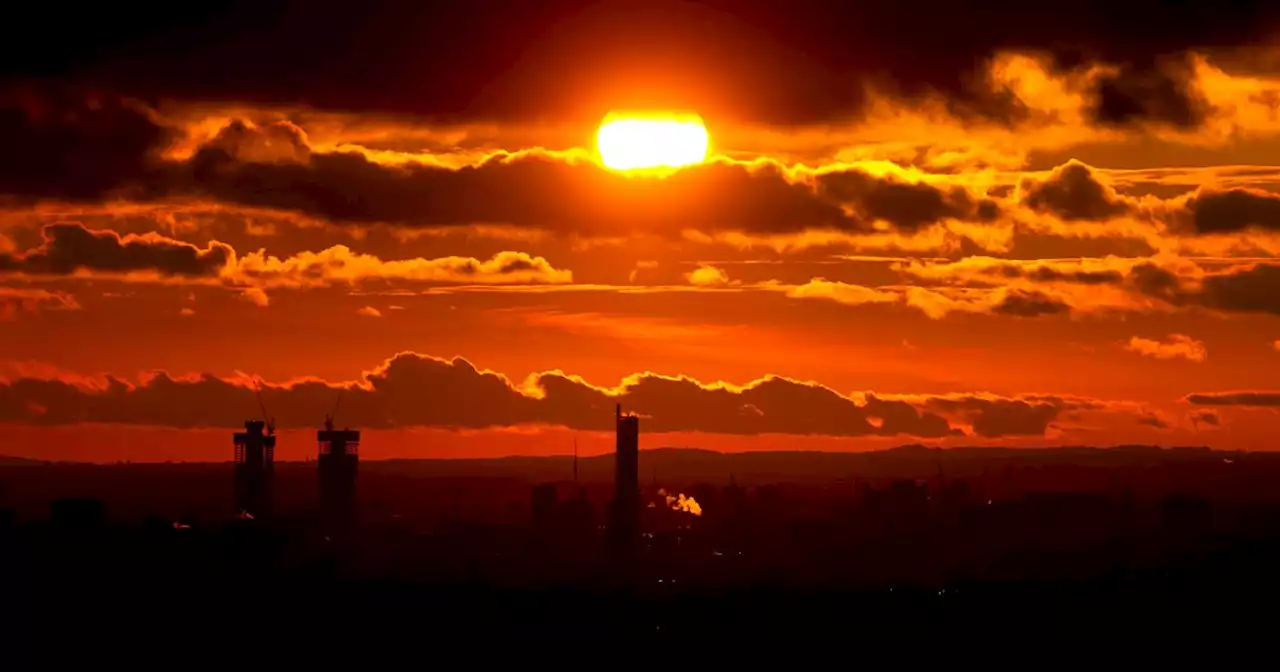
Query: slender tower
x: 625, y: 524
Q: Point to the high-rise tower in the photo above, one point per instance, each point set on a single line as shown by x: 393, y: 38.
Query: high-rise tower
x: 338, y: 463
x: 254, y: 465
x: 624, y: 525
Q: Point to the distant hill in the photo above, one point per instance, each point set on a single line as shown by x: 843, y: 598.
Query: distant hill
x: 7, y: 461
x: 689, y: 465
x: 910, y: 461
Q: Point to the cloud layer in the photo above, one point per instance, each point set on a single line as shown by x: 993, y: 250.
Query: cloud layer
x: 71, y: 248
x: 411, y: 390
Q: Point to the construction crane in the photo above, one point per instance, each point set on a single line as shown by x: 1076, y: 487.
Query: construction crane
x: 266, y: 417
x: 331, y: 416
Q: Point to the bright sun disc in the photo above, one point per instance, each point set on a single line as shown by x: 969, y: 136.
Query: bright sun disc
x: 639, y: 143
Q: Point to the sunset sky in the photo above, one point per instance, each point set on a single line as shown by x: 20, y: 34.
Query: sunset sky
x: 1004, y: 224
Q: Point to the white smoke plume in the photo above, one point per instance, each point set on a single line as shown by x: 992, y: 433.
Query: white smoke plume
x: 679, y: 502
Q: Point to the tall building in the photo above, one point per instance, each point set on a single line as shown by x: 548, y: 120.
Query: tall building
x: 338, y: 464
x: 624, y: 524
x: 254, y: 464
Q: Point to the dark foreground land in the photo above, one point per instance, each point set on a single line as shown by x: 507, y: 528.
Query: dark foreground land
x: 1071, y: 543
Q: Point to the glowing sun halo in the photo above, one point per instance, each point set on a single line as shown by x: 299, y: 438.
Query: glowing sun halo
x: 631, y: 143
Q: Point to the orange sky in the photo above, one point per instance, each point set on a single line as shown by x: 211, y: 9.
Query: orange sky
x: 1092, y: 263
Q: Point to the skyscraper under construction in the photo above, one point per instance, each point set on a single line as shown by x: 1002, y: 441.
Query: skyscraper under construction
x: 339, y: 461
x: 254, y: 465
x: 624, y: 522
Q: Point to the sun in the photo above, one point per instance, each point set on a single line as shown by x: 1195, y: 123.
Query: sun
x: 628, y: 142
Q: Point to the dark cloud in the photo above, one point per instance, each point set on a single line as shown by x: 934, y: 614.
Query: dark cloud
x: 1254, y: 289
x: 74, y: 146
x: 529, y: 190
x: 906, y: 205
x: 795, y: 62
x: 1233, y: 210
x: 1204, y: 417
x: 1163, y: 94
x: 70, y: 247
x: 1051, y: 274
x: 542, y: 191
x: 993, y: 417
x: 1029, y: 303
x: 273, y: 167
x: 1073, y: 193
x: 1246, y: 398
x: 1013, y: 418
x: 1153, y: 420
x: 1157, y: 281
x: 415, y: 390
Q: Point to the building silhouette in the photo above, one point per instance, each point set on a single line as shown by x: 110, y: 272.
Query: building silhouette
x: 254, y: 465
x: 624, y: 519
x: 338, y: 464
x: 544, y: 504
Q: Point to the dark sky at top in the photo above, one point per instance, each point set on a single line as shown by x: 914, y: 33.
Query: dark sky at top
x: 772, y: 62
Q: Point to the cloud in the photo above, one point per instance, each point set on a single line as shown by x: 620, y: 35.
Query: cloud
x: 1119, y: 285
x: 1176, y: 346
x: 340, y: 265
x: 841, y: 292
x: 936, y: 303
x: 1259, y: 398
x: 277, y: 142
x: 568, y: 191
x: 990, y: 270
x: 74, y: 147
x: 1253, y: 288
x: 1233, y: 210
x: 271, y: 165
x: 1164, y: 94
x: 1028, y: 415
x: 15, y: 301
x: 70, y: 248
x: 186, y: 312
x: 369, y: 311
x: 73, y: 249
x: 1073, y: 192
x: 641, y: 268
x: 1028, y: 303
x: 256, y: 296
x: 707, y: 276
x: 394, y: 394
x: 1204, y: 417
x: 1152, y: 419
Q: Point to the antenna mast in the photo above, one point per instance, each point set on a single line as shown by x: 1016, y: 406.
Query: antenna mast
x: 575, y: 459
x: 329, y: 418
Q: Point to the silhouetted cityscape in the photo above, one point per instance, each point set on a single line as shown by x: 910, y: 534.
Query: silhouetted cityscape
x: 916, y: 537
